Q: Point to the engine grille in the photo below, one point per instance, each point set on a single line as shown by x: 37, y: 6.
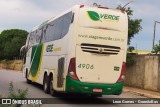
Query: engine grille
x: 100, y: 49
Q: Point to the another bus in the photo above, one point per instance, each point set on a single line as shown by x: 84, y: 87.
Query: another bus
x: 82, y: 50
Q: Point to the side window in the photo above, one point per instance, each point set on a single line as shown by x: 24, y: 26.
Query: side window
x: 44, y: 33
x: 35, y: 37
x: 48, y: 32
x: 66, y: 23
x: 38, y: 35
x: 57, y: 29
x: 53, y: 30
x: 32, y: 39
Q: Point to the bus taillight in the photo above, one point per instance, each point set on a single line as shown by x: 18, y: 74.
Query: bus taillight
x: 121, y: 78
x: 72, y: 69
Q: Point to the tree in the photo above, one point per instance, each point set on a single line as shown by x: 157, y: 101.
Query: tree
x: 134, y: 25
x: 131, y: 48
x: 156, y: 49
x: 10, y: 43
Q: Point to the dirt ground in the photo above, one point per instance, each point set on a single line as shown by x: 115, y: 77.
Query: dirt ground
x: 11, y: 64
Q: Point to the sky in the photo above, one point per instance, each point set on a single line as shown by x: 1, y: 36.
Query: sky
x: 26, y: 14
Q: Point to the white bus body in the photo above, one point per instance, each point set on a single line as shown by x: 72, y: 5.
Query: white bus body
x: 82, y: 51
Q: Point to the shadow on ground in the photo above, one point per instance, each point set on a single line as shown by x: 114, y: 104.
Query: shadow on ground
x: 70, y: 98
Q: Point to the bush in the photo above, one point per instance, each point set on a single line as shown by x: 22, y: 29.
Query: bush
x: 156, y: 49
x: 130, y: 61
x: 10, y: 43
x: 13, y: 94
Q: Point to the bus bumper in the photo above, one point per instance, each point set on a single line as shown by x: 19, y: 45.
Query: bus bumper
x: 74, y: 86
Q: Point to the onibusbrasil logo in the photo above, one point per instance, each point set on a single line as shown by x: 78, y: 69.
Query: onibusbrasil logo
x: 98, y: 17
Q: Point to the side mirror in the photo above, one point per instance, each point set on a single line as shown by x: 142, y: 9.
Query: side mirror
x: 23, y: 50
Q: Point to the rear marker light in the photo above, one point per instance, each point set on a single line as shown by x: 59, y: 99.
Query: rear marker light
x: 86, y: 88
x: 110, y: 88
x: 81, y: 6
x: 103, y: 7
x: 72, y: 88
x: 123, y: 11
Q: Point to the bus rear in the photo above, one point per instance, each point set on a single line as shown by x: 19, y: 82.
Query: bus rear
x: 100, y: 51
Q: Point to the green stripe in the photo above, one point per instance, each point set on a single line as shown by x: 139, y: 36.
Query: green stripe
x: 87, y: 88
x: 35, y: 59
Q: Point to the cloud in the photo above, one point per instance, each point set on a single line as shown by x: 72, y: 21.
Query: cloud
x: 29, y: 13
x: 20, y: 12
x: 148, y: 11
x: 25, y: 14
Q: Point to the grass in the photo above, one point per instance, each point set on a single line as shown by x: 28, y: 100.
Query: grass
x: 16, y: 95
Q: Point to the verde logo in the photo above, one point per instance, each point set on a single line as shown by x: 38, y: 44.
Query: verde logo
x: 98, y: 17
x: 49, y: 48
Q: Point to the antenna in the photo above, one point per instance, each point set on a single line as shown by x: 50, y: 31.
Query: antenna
x: 119, y: 2
x: 127, y: 4
x: 96, y: 5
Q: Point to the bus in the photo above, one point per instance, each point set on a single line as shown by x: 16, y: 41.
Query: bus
x: 82, y: 50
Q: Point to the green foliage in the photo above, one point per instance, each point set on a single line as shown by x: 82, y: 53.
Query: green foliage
x: 134, y: 27
x: 21, y: 94
x: 129, y: 60
x: 156, y: 49
x: 131, y: 48
x: 133, y: 24
x: 10, y: 43
x: 13, y: 94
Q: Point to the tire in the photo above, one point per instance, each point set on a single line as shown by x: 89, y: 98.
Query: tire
x: 96, y: 95
x: 46, y: 84
x: 52, y: 91
x: 28, y: 81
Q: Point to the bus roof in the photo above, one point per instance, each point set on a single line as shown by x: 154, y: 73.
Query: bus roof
x: 74, y: 7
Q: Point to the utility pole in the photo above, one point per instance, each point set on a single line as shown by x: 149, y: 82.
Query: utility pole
x: 154, y: 33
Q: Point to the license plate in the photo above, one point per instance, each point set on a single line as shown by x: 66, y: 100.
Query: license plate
x: 97, y: 90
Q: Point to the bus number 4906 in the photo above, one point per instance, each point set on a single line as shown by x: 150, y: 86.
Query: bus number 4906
x: 86, y: 66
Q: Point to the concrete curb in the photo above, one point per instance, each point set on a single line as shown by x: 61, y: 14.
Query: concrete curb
x: 142, y: 92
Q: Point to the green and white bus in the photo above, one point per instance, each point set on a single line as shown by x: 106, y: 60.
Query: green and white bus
x: 82, y: 50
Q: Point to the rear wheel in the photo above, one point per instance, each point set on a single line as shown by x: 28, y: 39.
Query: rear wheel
x: 52, y: 91
x: 96, y: 95
x: 46, y: 84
